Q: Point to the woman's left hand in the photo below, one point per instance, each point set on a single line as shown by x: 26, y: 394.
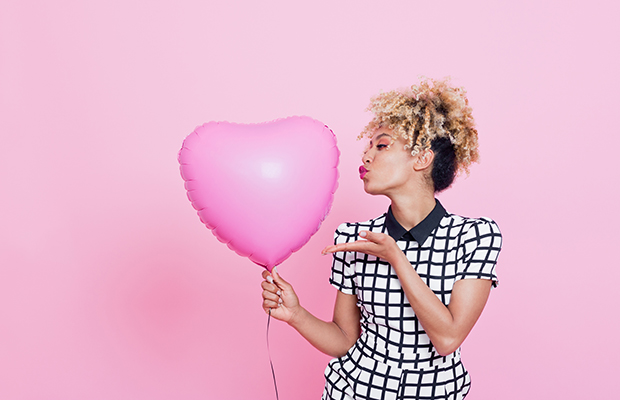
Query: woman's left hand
x: 371, y: 243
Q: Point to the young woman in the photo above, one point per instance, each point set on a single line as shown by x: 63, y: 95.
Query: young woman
x: 412, y: 282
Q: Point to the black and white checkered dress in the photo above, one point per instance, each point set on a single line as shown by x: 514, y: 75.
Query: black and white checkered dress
x: 394, y: 358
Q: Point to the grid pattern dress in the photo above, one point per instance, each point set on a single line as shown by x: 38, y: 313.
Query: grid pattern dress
x: 394, y: 357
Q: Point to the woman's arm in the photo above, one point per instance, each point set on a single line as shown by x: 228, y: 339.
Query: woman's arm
x: 334, y: 338
x: 447, y: 327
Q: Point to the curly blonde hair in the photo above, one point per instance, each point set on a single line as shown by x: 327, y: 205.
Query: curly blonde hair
x: 430, y: 110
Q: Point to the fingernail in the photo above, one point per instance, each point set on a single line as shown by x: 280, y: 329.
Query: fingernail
x: 280, y: 301
x: 269, y: 279
x: 363, y: 234
x: 275, y: 269
x: 278, y: 292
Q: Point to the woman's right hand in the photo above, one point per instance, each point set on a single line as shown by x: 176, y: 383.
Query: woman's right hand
x: 279, y: 297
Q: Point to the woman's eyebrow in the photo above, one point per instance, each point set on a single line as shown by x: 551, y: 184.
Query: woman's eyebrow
x: 380, y: 136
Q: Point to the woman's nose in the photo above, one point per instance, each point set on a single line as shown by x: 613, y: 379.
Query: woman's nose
x: 366, y: 157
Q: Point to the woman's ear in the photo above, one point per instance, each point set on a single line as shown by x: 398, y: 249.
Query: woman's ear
x: 423, y: 160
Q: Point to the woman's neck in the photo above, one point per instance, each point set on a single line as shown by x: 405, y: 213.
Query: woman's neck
x: 411, y: 210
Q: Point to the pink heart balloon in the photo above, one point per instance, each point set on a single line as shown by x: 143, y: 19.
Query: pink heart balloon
x: 263, y: 189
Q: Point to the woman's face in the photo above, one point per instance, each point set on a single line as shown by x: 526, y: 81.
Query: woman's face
x: 387, y: 167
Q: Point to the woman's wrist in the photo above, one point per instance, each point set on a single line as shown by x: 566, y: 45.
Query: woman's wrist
x: 398, y: 258
x: 297, y: 316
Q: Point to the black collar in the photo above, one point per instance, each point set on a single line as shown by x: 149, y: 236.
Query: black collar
x: 421, y: 231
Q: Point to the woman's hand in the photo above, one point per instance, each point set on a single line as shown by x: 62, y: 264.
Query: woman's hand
x: 279, y: 297
x: 372, y: 243
x: 333, y: 338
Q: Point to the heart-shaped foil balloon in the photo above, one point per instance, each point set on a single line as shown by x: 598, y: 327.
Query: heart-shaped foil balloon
x: 263, y: 189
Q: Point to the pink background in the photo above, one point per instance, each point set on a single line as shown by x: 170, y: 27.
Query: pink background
x: 111, y: 288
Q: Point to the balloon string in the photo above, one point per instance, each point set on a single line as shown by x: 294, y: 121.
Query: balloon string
x: 275, y: 385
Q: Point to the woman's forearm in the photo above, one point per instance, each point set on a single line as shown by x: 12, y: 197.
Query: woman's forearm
x: 327, y: 337
x: 333, y: 338
x: 447, y: 327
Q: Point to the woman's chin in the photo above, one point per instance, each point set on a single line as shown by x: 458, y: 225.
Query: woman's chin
x: 370, y: 190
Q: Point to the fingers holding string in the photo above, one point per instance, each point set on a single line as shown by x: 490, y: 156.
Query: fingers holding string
x: 271, y: 292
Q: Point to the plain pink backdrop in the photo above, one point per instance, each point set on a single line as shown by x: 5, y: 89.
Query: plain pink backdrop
x: 111, y: 288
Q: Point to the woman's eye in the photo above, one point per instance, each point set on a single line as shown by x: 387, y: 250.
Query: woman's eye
x: 382, y: 146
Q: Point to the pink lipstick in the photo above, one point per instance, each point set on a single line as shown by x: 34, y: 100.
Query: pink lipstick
x: 363, y: 171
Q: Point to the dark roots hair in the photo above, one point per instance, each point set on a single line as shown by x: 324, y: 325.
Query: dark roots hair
x: 444, y: 164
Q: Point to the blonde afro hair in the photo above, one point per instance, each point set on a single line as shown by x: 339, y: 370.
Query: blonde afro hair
x: 433, y: 109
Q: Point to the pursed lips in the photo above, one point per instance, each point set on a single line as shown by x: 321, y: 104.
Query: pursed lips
x: 362, y: 171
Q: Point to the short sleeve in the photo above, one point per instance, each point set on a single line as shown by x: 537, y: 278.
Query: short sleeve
x: 480, y: 248
x: 343, y: 274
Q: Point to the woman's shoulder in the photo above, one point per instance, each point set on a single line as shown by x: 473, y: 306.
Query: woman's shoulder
x: 475, y: 226
x: 353, y: 228
x: 461, y: 220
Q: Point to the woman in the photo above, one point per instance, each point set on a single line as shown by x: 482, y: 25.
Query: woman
x: 412, y: 282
